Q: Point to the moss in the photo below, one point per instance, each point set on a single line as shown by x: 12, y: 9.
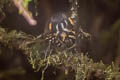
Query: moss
x: 41, y: 56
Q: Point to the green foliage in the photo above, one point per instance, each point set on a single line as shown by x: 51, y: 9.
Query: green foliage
x: 26, y: 2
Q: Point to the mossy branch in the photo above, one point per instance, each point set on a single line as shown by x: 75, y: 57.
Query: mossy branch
x: 41, y: 55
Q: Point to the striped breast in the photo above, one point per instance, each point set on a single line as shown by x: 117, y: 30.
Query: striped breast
x: 61, y: 29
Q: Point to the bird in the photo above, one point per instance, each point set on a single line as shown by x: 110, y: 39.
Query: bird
x: 61, y: 32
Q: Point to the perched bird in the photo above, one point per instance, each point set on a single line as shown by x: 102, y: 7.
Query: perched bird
x: 61, y: 31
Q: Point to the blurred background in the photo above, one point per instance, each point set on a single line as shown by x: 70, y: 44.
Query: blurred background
x: 100, y: 18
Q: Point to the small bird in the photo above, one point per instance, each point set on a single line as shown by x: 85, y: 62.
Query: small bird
x: 62, y: 33
x: 61, y: 30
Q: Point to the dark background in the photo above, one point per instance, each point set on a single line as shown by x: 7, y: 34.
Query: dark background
x: 100, y: 18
